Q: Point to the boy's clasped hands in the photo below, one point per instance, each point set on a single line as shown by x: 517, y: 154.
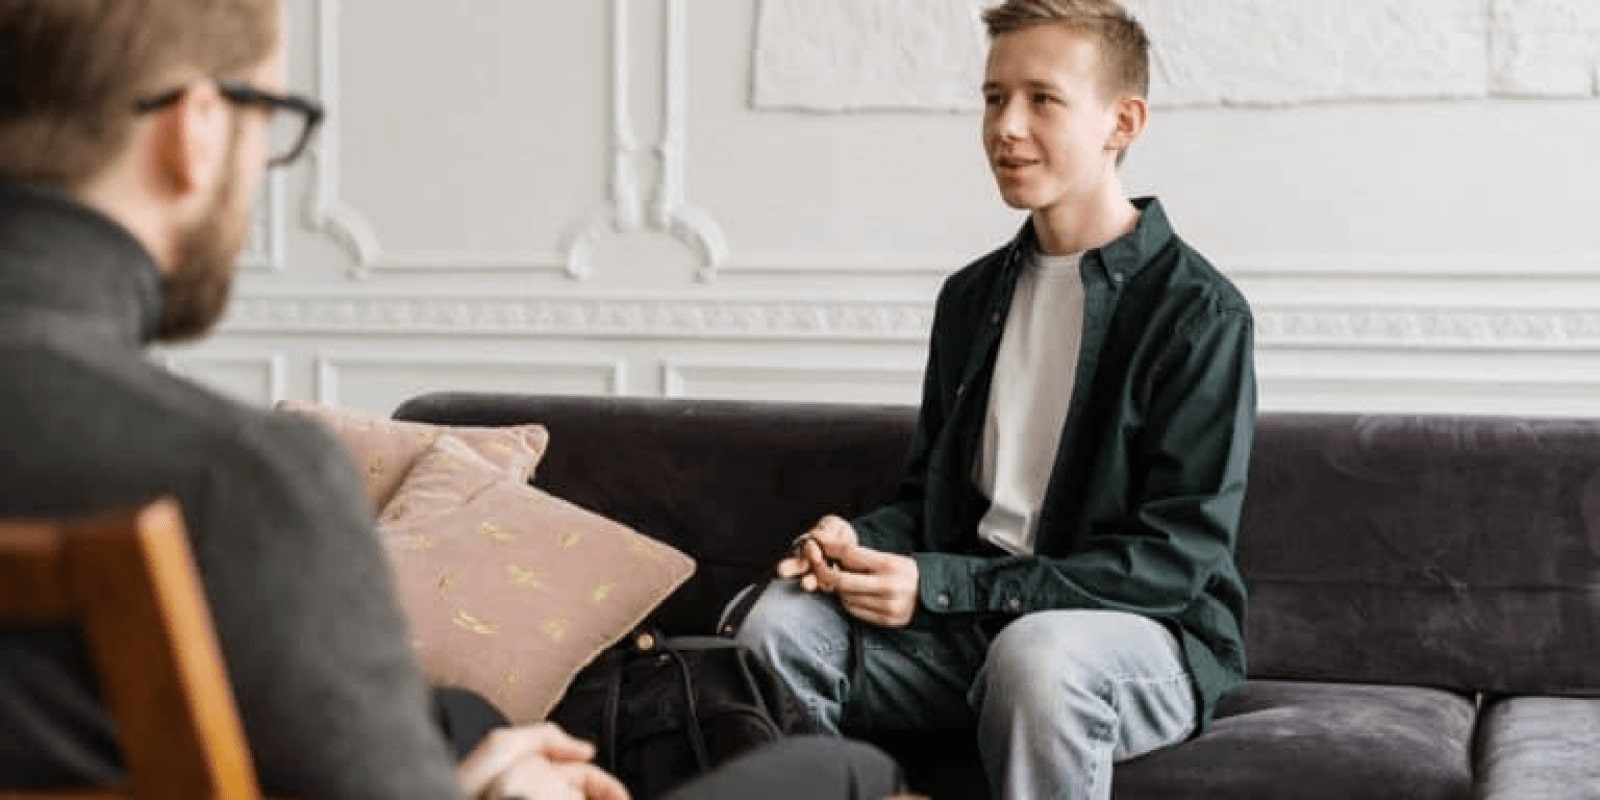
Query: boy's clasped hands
x: 873, y: 586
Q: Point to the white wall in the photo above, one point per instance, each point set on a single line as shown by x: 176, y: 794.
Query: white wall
x: 758, y: 198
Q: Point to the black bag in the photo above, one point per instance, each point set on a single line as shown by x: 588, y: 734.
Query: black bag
x: 663, y: 710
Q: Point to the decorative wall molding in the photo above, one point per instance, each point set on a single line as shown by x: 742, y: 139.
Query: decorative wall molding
x: 670, y: 212
x: 264, y: 250
x: 1277, y: 326
x: 626, y: 213
x: 837, y: 56
x: 206, y: 363
x: 1499, y: 329
x: 611, y: 374
x: 886, y: 263
x: 329, y: 213
x: 582, y: 317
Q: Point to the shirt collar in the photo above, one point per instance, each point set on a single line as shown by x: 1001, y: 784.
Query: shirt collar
x: 62, y: 257
x: 1120, y: 258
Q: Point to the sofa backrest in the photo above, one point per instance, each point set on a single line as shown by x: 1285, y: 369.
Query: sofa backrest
x: 1454, y: 552
x: 1458, y: 552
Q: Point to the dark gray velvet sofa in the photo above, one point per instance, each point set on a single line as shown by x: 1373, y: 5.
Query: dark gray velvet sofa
x: 1424, y: 617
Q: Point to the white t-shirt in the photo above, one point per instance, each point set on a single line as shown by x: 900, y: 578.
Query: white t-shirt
x: 1028, y: 399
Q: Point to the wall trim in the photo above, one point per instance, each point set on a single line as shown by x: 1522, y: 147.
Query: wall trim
x: 193, y: 362
x: 585, y: 317
x: 1277, y: 326
x: 265, y: 252
x: 1409, y: 328
x: 330, y: 214
x: 888, y: 263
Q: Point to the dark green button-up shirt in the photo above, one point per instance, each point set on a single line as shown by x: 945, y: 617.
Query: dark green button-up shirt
x: 1143, y: 503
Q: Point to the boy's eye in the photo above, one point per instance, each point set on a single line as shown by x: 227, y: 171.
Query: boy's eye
x: 991, y: 99
x: 1041, y: 98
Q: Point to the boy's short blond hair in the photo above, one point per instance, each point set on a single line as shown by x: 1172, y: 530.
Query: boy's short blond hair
x: 1124, y: 47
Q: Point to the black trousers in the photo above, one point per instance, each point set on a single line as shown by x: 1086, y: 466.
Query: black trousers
x: 801, y: 768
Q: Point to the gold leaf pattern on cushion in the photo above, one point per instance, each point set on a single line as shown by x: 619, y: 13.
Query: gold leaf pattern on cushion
x: 555, y: 628
x: 647, y: 549
x: 387, y: 450
x: 530, y: 603
x: 416, y: 542
x: 525, y: 578
x: 447, y: 581
x: 496, y: 533
x: 467, y: 622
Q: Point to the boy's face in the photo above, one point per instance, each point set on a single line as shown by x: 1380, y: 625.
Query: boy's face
x: 1048, y: 126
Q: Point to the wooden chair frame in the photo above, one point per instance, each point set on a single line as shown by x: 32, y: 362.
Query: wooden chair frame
x: 129, y: 581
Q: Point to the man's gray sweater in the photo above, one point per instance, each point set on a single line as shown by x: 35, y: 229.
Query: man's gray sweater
x: 332, y: 701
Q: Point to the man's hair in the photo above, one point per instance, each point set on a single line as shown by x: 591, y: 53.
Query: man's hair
x: 1124, y: 47
x: 71, y: 72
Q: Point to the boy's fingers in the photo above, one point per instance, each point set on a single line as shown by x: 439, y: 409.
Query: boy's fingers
x: 827, y: 574
x: 858, y: 584
x: 862, y: 559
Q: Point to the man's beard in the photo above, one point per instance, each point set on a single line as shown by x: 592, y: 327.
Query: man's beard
x: 197, y: 288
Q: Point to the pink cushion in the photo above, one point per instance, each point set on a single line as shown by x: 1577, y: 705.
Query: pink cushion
x: 510, y: 590
x: 385, y: 449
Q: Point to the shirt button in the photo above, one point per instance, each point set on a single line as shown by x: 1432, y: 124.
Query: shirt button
x: 994, y: 319
x: 1013, y: 604
x: 961, y: 389
x: 942, y: 601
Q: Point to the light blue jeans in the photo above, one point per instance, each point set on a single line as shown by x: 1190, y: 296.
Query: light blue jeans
x: 1058, y: 696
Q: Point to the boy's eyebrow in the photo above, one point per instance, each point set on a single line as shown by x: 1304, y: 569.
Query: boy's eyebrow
x: 1032, y: 83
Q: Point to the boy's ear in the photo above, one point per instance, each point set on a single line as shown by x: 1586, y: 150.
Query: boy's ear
x: 1133, y: 115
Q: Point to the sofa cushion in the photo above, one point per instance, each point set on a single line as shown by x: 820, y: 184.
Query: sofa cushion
x: 1304, y: 740
x: 1441, y: 551
x: 1539, y: 748
x: 384, y: 450
x: 509, y: 590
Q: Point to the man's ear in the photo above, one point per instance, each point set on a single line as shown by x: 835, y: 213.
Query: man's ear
x: 1132, y: 116
x: 189, y: 142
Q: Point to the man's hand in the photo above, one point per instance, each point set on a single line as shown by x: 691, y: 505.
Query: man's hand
x: 537, y: 762
x: 825, y: 542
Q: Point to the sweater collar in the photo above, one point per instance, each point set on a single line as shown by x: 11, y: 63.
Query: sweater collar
x: 61, y: 257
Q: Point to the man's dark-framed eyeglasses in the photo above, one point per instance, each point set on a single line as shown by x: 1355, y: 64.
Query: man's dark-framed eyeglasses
x: 293, y: 118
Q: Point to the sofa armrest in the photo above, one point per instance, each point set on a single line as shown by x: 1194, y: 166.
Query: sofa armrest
x: 1532, y: 748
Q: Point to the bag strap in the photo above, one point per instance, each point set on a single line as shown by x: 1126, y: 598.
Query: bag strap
x: 691, y: 711
x: 739, y: 607
x: 608, y: 715
x: 741, y: 657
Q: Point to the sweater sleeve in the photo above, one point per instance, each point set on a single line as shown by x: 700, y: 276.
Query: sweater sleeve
x: 318, y: 652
